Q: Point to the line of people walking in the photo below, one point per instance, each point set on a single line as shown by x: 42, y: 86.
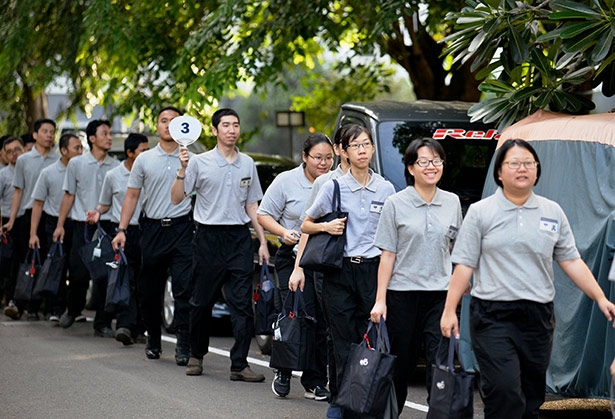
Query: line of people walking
x: 399, y: 252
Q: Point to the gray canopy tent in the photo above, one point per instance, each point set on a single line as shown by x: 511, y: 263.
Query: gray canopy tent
x: 577, y: 155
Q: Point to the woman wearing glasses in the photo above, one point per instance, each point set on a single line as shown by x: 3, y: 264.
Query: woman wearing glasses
x: 509, y: 241
x: 349, y: 294
x: 279, y: 213
x: 416, y: 232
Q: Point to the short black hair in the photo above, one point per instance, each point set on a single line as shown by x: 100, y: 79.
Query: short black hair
x: 38, y: 123
x: 351, y: 132
x: 8, y: 139
x: 132, y: 142
x: 4, y: 137
x: 92, y: 127
x: 65, y: 140
x: 337, y: 138
x: 217, y: 116
x: 412, y: 154
x: 315, y: 139
x: 27, y: 138
x: 169, y: 108
x: 501, y: 155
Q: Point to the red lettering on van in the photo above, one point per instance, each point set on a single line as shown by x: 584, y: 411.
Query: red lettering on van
x: 461, y: 134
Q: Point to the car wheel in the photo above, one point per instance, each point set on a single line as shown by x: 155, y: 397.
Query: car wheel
x: 168, y: 306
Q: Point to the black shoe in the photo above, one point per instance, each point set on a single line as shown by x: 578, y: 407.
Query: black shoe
x: 281, y: 384
x: 182, y: 348
x: 81, y: 318
x: 317, y: 393
x: 104, y: 332
x: 153, y: 348
x: 12, y: 311
x: 124, y: 335
x: 66, y: 320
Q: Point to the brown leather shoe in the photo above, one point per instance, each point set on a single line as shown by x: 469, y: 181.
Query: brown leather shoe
x: 194, y: 367
x: 247, y: 375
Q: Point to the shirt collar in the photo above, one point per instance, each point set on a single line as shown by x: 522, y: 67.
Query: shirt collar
x: 354, y: 186
x: 91, y: 159
x: 60, y: 167
x: 123, y: 169
x: 417, y: 201
x: 163, y: 153
x: 532, y: 201
x: 222, y: 161
x: 304, y: 182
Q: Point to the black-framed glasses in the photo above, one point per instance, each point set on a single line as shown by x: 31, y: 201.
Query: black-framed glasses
x: 327, y: 159
x: 517, y: 164
x: 425, y: 162
x: 355, y: 146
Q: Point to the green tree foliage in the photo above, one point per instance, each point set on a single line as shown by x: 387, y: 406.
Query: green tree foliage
x: 132, y: 57
x: 535, y: 55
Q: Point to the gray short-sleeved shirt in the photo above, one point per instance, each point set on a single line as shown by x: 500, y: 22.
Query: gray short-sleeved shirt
x: 48, y: 188
x: 420, y: 235
x: 84, y: 178
x: 285, y: 198
x: 6, y: 191
x: 223, y: 189
x: 363, y: 204
x: 113, y: 193
x: 320, y: 180
x: 154, y: 173
x: 512, y: 248
x: 29, y: 165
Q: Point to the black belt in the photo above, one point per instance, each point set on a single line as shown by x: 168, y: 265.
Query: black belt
x: 167, y: 222
x: 361, y: 259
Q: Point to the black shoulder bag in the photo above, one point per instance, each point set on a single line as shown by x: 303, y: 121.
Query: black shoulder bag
x: 323, y: 251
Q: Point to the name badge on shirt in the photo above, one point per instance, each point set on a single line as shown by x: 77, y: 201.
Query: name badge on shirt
x: 547, y: 224
x: 452, y: 232
x: 245, y: 182
x: 376, y: 207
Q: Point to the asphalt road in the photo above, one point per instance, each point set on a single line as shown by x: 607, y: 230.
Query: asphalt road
x: 47, y: 372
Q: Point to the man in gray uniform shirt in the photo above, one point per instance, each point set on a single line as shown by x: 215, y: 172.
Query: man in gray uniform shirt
x: 82, y: 185
x: 129, y: 327
x: 227, y: 194
x: 12, y: 147
x: 166, y: 238
x: 47, y: 195
x: 27, y: 169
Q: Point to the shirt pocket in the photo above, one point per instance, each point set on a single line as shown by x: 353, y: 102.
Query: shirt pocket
x: 241, y: 189
x: 545, y: 244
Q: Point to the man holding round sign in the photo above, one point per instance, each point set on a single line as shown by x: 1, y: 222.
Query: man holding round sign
x: 166, y: 238
x: 227, y: 194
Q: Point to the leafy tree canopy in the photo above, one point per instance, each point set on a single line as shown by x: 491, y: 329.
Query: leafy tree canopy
x: 535, y: 54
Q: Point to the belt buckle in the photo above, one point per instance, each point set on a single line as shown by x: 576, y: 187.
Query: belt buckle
x: 356, y: 259
x: 165, y: 222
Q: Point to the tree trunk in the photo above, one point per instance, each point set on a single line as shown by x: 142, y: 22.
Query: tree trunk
x: 424, y: 64
x: 36, y: 106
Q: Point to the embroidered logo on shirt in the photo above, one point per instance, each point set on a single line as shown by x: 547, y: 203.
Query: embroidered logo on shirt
x: 547, y: 224
x: 245, y: 182
x: 376, y: 207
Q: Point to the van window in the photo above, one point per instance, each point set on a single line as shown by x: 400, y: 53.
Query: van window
x: 467, y: 160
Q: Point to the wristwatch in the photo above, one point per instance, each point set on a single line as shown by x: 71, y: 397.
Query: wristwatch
x: 121, y: 230
x: 177, y: 176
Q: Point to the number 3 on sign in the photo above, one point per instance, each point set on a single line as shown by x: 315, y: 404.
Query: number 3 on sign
x: 185, y: 129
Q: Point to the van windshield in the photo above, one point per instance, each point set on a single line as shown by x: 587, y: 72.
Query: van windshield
x: 467, y: 160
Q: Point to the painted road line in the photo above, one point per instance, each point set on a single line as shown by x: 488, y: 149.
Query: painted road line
x: 222, y: 352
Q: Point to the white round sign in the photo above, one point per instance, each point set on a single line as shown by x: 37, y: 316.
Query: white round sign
x: 185, y: 129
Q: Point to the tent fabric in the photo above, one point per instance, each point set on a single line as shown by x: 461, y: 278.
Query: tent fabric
x: 545, y: 125
x: 580, y: 176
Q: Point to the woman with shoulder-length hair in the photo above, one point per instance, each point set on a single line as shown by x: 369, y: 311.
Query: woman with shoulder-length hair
x: 350, y: 293
x: 416, y: 232
x: 508, y: 241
